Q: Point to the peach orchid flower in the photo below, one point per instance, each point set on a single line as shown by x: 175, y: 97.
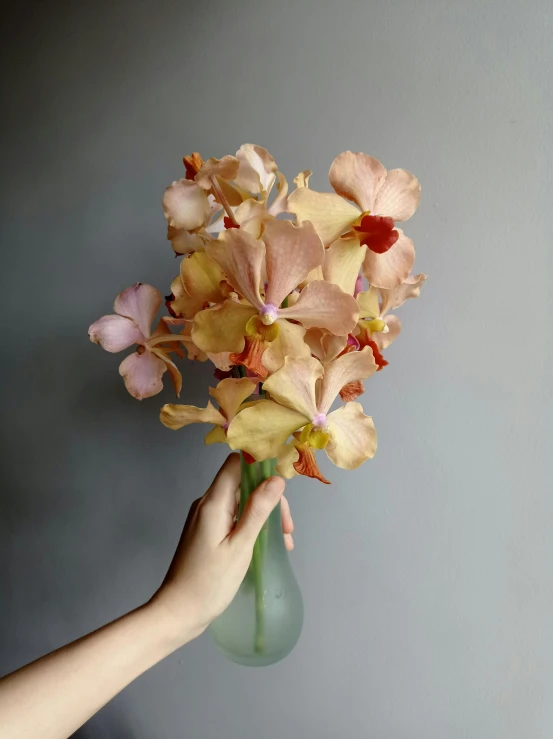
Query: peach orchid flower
x: 230, y: 393
x: 287, y: 253
x: 302, y: 393
x: 135, y: 309
x: 367, y: 202
x: 377, y: 328
x: 229, y: 192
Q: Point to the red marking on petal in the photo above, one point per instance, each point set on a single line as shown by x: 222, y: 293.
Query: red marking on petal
x: 378, y: 357
x: 352, y: 390
x: 251, y: 355
x: 168, y: 300
x: 377, y: 232
x: 248, y: 459
x: 307, y: 464
x: 229, y: 223
x: 192, y: 164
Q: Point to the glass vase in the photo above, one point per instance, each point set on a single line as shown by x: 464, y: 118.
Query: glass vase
x: 263, y: 623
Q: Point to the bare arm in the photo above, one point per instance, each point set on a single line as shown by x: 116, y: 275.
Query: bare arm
x: 52, y: 697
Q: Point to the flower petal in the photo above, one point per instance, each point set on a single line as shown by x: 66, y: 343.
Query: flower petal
x: 352, y: 390
x: 369, y: 306
x: 227, y: 168
x: 217, y: 435
x: 241, y: 257
x: 324, y: 305
x: 352, y: 436
x: 256, y: 173
x: 115, y: 333
x: 142, y: 374
x: 302, y: 179
x: 262, y: 429
x: 221, y: 360
x: 329, y: 213
x: 141, y: 303
x: 287, y: 457
x: 231, y: 393
x: 396, y: 296
x: 357, y: 177
x: 185, y: 205
x: 325, y: 346
x: 307, y: 464
x: 342, y: 262
x: 222, y: 328
x: 174, y: 371
x: 289, y: 343
x: 398, y: 196
x: 279, y: 204
x: 176, y: 416
x: 184, y: 242
x: 293, y: 385
x: 390, y: 269
x: 343, y: 370
x: 201, y: 277
x: 383, y: 340
x: 291, y: 252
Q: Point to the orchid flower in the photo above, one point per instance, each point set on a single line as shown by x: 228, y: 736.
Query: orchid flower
x: 376, y: 327
x: 368, y: 200
x: 229, y: 394
x: 135, y: 309
x: 302, y: 393
x: 288, y: 254
x: 229, y: 192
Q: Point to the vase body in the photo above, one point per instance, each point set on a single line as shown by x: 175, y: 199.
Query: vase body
x: 264, y: 621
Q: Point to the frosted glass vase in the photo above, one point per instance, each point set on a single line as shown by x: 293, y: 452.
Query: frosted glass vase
x: 263, y: 623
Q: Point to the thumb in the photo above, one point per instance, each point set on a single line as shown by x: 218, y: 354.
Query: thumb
x: 257, y: 510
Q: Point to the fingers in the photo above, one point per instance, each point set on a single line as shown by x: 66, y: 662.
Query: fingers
x: 287, y: 522
x: 260, y: 504
x: 227, y: 481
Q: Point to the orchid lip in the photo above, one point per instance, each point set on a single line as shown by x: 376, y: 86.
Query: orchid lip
x: 320, y: 421
x: 268, y: 314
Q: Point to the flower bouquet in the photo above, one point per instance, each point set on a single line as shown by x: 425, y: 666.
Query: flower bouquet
x: 292, y: 298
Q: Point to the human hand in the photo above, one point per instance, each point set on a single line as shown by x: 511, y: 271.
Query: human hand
x: 215, y: 551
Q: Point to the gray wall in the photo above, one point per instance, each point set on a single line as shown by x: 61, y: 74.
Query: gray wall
x: 427, y: 574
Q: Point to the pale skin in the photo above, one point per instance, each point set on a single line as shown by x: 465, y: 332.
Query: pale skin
x: 52, y: 697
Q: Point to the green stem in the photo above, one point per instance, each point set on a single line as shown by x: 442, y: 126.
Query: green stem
x: 252, y: 476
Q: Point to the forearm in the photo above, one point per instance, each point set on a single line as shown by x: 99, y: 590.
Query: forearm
x: 52, y: 697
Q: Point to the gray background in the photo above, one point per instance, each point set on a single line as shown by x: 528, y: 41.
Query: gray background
x: 427, y: 574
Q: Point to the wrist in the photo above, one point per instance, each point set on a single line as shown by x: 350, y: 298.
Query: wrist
x: 173, y: 627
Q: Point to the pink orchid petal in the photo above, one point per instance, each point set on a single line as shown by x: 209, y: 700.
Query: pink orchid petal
x: 240, y: 255
x: 142, y: 374
x: 394, y: 298
x: 115, y: 333
x: 185, y: 205
x: 343, y: 370
x: 141, y: 303
x: 390, y: 269
x: 342, y: 262
x: 398, y: 196
x: 324, y: 305
x: 352, y: 436
x: 293, y: 385
x: 357, y: 177
x: 291, y: 252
